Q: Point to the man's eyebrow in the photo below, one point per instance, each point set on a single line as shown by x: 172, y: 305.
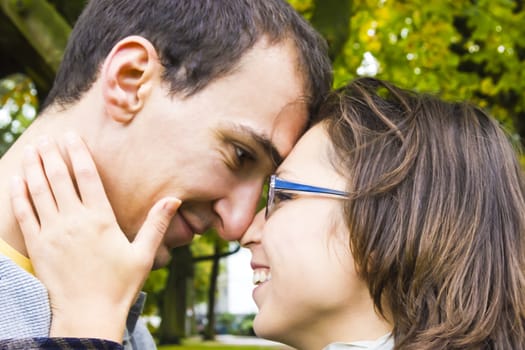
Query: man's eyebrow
x: 264, y: 142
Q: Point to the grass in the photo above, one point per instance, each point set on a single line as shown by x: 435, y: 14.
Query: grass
x: 213, y: 345
x: 197, y: 344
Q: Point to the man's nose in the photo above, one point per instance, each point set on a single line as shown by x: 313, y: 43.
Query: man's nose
x: 237, y: 209
x: 252, y: 237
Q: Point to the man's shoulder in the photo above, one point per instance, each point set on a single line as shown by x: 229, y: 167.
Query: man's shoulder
x: 13, y: 276
x: 24, y: 305
x: 141, y: 338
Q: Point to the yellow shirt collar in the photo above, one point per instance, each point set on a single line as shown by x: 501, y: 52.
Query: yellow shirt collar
x: 13, y: 254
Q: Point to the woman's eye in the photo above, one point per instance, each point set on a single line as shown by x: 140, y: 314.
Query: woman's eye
x: 282, y: 196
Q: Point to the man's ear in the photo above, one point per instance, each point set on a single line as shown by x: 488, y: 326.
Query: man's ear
x: 127, y: 77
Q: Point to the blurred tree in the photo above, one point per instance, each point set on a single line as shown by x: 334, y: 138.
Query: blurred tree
x: 221, y: 249
x: 33, y: 35
x: 174, y: 298
x: 185, y: 287
x: 462, y: 50
x: 18, y: 106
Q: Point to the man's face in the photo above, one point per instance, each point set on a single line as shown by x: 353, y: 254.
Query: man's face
x: 213, y: 150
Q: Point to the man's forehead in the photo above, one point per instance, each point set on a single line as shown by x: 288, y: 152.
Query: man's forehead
x: 290, y: 124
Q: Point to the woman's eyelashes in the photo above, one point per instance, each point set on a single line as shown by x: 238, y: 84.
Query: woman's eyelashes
x: 281, y: 196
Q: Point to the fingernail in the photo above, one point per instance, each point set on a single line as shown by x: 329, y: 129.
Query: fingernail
x: 171, y: 205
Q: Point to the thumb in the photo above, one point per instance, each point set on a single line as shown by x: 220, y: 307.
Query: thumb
x: 152, y: 231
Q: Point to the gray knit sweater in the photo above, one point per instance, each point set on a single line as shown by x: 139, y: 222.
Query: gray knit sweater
x: 25, y: 311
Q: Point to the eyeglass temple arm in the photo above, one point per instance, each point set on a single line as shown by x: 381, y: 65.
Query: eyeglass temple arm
x: 291, y: 186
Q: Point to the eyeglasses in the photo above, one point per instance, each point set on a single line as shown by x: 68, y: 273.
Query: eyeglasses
x: 278, y: 185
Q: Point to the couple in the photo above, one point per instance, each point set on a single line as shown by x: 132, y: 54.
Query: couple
x: 395, y: 222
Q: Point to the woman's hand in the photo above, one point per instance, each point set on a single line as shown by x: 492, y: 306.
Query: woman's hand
x: 92, y: 272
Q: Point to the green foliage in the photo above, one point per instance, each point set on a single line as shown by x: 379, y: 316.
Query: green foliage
x: 246, y: 325
x: 227, y: 321
x: 304, y: 7
x: 202, y: 246
x: 215, y: 345
x: 196, y: 343
x: 154, y: 285
x: 157, y: 280
x: 462, y: 50
x: 235, y: 324
x: 18, y: 106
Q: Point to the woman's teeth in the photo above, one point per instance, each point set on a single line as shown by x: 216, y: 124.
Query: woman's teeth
x: 261, y: 276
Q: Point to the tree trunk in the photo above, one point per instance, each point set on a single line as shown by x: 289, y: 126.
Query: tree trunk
x: 42, y: 26
x: 209, y: 332
x: 173, y: 302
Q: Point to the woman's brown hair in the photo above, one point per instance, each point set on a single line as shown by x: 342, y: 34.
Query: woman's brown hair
x: 437, y: 219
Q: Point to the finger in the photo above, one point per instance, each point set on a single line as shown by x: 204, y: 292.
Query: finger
x: 88, y: 180
x: 152, y: 231
x: 23, y: 210
x: 38, y: 186
x: 57, y: 175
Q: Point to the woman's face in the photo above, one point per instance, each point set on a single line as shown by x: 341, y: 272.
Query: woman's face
x: 307, y: 289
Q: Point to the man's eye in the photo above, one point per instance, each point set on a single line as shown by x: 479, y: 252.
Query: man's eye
x: 242, y: 156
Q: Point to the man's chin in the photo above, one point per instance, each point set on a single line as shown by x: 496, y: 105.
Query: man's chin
x: 162, y: 258
x: 163, y: 255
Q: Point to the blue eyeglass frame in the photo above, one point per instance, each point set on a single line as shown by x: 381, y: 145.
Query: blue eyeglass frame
x: 277, y: 184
